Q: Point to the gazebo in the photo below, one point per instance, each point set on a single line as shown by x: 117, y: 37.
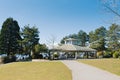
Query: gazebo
x: 73, y: 51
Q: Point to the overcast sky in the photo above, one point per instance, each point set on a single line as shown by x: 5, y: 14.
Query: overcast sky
x: 55, y: 17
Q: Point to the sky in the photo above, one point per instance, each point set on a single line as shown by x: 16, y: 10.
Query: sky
x: 57, y: 18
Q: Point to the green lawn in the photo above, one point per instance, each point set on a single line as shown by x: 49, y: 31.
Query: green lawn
x: 35, y: 71
x: 111, y: 65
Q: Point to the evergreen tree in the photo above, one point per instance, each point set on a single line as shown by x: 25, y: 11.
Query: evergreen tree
x: 113, y: 37
x: 82, y: 37
x: 9, y: 37
x: 97, y: 38
x: 30, y: 38
x: 99, y: 45
x: 98, y: 34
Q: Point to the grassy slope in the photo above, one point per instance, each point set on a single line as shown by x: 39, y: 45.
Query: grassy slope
x: 35, y: 71
x: 111, y: 65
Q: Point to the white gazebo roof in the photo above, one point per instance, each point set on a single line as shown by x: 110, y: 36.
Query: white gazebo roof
x: 70, y: 47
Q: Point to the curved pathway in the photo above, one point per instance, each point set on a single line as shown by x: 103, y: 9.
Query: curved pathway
x: 82, y: 71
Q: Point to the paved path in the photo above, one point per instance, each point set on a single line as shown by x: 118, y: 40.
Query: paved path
x: 82, y: 71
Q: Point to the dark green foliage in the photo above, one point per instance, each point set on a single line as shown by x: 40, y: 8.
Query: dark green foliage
x: 114, y: 37
x: 62, y: 41
x: 82, y: 36
x: 109, y: 38
x: 107, y: 54
x: 5, y: 59
x: 97, y: 34
x: 99, y: 45
x: 43, y: 48
x: 116, y: 54
x: 8, y: 59
x: 40, y: 48
x: 9, y: 37
x: 97, y: 39
x: 56, y: 56
x: 30, y: 38
x: 37, y: 56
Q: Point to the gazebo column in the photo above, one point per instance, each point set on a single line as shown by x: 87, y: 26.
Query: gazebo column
x: 87, y: 54
x: 95, y: 54
x: 66, y: 55
x: 76, y: 55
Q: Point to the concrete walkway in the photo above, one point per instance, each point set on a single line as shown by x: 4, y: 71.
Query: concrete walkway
x: 82, y: 71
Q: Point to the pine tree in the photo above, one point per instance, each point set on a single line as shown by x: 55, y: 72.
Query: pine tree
x: 30, y: 38
x: 9, y: 37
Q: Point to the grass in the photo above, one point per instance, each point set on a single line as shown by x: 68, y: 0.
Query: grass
x: 35, y: 71
x: 111, y: 65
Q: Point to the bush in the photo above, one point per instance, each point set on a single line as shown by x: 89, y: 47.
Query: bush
x: 5, y: 59
x: 100, y: 54
x: 107, y: 54
x: 8, y: 59
x: 85, y: 56
x: 12, y: 59
x: 55, y: 55
x: 37, y: 56
x: 40, y: 56
x: 28, y: 59
x: 115, y: 54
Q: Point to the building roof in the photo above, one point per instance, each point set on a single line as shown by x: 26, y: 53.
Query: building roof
x: 70, y: 47
x: 70, y: 39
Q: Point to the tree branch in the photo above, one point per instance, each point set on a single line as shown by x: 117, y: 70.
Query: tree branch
x: 112, y: 10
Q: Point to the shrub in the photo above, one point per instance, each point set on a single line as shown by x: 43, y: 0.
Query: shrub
x: 107, y: 54
x: 40, y: 56
x: 12, y: 59
x: 115, y: 54
x: 5, y: 59
x: 8, y: 59
x: 85, y: 56
x: 28, y: 59
x: 55, y: 55
x: 100, y: 54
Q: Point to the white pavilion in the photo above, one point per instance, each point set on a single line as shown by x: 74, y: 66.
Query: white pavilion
x: 71, y: 50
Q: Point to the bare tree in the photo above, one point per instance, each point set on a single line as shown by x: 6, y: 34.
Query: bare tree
x: 112, y: 6
x: 51, y: 41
